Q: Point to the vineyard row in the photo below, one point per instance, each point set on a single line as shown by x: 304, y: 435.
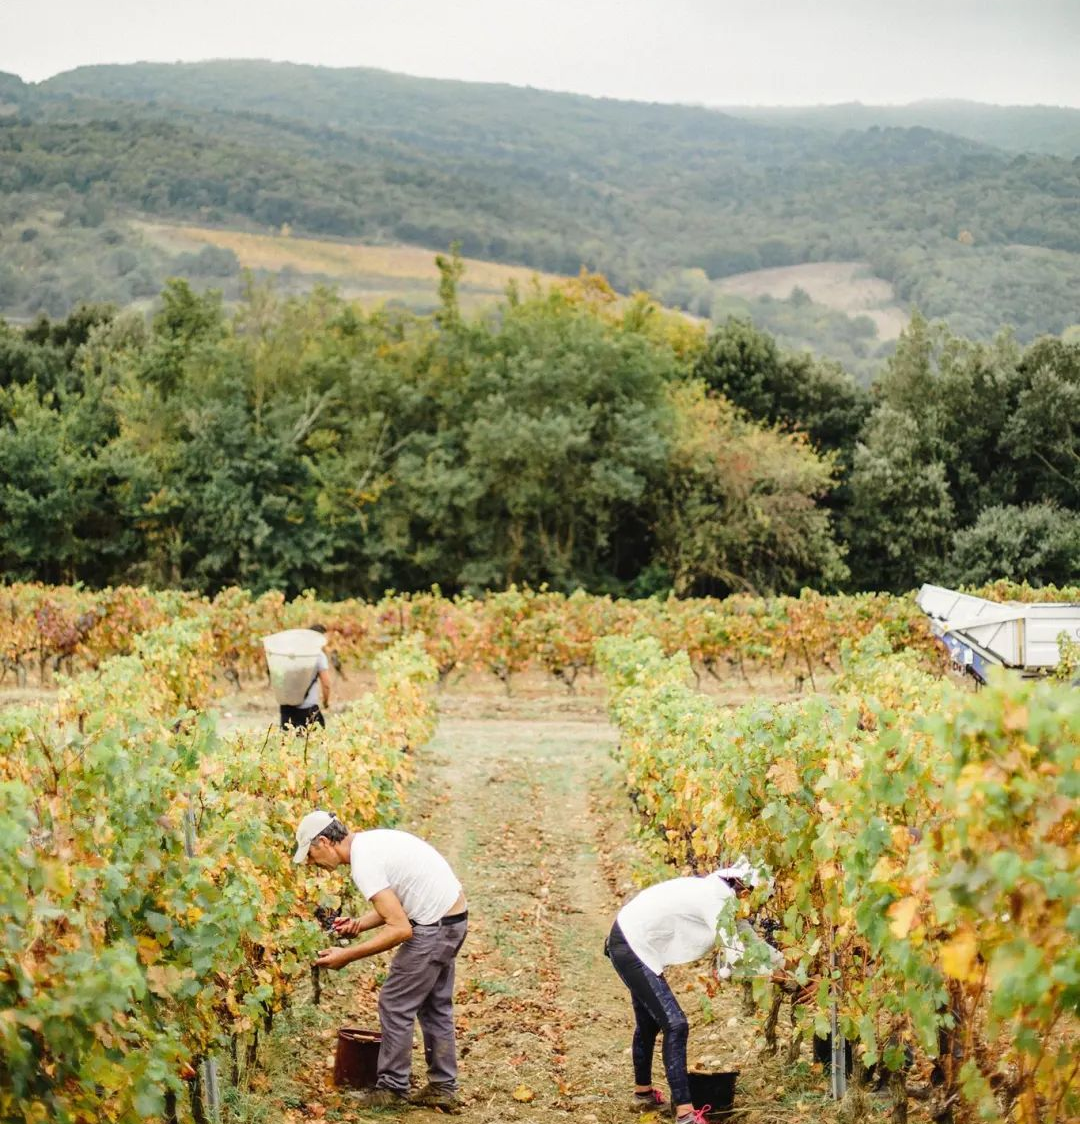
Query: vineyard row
x: 151, y: 916
x: 924, y: 844
x: 50, y: 629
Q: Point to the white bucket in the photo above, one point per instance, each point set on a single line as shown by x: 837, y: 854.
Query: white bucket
x: 292, y: 657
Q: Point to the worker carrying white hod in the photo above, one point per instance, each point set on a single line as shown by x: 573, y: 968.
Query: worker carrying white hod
x: 299, y: 675
x: 678, y: 922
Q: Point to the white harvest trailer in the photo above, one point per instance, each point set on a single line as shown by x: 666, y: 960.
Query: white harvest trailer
x: 981, y: 634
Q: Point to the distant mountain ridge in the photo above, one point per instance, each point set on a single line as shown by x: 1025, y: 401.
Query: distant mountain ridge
x: 1048, y: 129
x: 1040, y: 129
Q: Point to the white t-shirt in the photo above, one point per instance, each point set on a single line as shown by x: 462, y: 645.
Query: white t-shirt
x: 675, y: 922
x: 312, y: 697
x: 422, y: 879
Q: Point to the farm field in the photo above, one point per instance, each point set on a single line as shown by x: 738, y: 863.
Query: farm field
x: 367, y: 273
x: 844, y: 286
x: 922, y: 840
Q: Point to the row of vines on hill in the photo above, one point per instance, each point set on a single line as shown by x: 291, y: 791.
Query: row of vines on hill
x: 51, y: 628
x: 149, y: 911
x: 925, y: 848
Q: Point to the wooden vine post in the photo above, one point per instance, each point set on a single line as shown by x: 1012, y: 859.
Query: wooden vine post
x: 209, y: 1075
x: 838, y: 1061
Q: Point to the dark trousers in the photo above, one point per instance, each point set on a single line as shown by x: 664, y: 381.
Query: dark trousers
x: 300, y: 716
x: 656, y: 1010
x: 420, y: 986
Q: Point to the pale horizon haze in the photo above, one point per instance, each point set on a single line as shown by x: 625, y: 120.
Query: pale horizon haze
x: 711, y: 52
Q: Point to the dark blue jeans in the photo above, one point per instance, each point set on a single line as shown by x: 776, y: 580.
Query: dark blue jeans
x: 655, y: 1009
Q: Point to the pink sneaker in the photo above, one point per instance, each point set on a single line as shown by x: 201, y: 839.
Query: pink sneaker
x: 698, y: 1116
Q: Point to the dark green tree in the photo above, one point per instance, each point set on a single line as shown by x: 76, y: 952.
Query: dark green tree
x: 1039, y: 544
x: 799, y: 392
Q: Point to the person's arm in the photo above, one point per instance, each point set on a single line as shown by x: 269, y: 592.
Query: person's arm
x: 730, y: 948
x: 324, y: 683
x: 354, y: 926
x: 395, y: 929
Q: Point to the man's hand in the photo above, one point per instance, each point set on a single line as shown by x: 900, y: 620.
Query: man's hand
x: 334, y: 958
x: 388, y: 917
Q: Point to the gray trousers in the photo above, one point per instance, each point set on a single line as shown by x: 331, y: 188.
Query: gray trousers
x: 420, y: 986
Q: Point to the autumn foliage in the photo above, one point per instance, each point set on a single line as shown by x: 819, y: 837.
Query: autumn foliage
x: 925, y: 848
x: 501, y: 632
x: 150, y: 911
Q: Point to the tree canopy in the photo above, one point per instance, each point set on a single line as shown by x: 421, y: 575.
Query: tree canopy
x: 568, y: 436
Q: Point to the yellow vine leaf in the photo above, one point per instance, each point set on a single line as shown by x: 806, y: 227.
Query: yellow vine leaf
x: 902, y: 916
x: 784, y: 775
x: 56, y: 878
x: 1015, y: 717
x: 163, y: 981
x: 149, y: 950
x: 885, y: 870
x: 958, y: 956
x: 523, y: 1094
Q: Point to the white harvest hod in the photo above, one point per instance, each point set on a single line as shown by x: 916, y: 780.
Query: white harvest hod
x: 981, y: 634
x: 291, y: 658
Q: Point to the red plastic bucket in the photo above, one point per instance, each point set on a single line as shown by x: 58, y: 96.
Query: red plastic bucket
x: 356, y: 1060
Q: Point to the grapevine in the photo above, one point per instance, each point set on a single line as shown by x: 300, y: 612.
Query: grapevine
x: 925, y: 837
x: 153, y: 927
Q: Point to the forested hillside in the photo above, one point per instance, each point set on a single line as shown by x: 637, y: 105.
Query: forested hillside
x: 670, y: 198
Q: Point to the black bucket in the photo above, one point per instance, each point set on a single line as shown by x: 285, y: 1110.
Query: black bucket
x: 714, y: 1089
x: 356, y: 1060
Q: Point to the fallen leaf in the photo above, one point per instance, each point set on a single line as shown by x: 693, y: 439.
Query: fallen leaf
x: 523, y: 1094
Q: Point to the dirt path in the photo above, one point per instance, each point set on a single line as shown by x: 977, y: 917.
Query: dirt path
x: 512, y: 804
x: 530, y: 815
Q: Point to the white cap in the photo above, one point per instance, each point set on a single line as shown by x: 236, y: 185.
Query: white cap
x: 310, y: 826
x: 744, y: 870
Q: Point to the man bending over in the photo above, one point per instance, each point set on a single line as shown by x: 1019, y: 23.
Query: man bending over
x: 419, y: 909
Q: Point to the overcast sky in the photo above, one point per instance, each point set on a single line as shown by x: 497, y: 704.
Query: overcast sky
x: 716, y: 52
